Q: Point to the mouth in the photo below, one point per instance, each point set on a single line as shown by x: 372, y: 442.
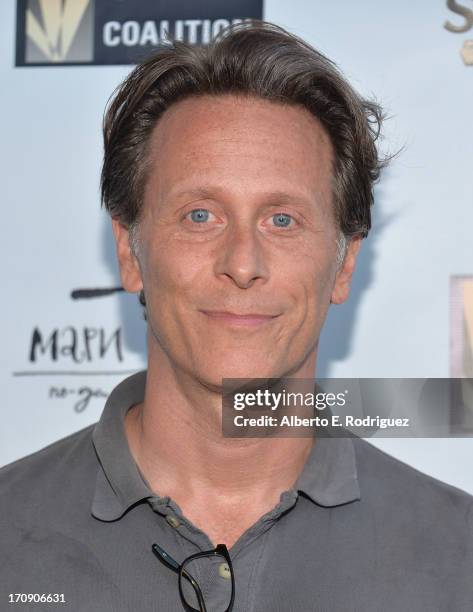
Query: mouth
x: 239, y: 320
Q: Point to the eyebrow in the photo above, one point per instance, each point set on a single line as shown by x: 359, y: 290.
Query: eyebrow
x: 275, y: 198
x: 198, y: 192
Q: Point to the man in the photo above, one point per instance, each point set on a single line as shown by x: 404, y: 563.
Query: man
x: 239, y: 182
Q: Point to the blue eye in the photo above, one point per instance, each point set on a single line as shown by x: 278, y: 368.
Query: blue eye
x: 282, y: 220
x: 199, y: 215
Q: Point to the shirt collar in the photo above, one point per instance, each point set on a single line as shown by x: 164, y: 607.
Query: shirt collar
x: 119, y: 483
x: 329, y: 477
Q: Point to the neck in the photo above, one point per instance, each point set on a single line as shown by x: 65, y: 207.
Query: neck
x: 176, y: 439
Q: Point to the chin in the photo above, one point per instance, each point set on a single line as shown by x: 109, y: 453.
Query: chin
x: 239, y: 370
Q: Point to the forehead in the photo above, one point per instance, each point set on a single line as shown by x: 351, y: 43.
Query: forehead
x: 239, y: 142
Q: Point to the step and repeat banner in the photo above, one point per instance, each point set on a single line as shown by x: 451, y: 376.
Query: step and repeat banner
x: 70, y: 334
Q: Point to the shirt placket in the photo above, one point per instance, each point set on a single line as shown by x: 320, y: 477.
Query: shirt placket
x: 245, y: 554
x: 211, y: 574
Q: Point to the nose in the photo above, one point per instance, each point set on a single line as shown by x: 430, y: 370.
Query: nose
x: 241, y: 258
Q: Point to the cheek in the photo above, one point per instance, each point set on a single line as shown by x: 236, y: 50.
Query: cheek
x: 309, y: 282
x: 310, y: 269
x: 171, y: 274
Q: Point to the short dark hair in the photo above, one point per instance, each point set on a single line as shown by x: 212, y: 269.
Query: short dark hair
x: 255, y: 59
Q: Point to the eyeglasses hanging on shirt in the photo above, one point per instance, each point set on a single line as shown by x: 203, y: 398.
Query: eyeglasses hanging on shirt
x: 204, y: 575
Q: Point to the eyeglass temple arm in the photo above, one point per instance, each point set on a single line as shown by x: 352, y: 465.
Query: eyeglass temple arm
x: 174, y: 565
x: 165, y: 558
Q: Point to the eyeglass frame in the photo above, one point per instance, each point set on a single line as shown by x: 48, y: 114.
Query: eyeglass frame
x: 165, y: 558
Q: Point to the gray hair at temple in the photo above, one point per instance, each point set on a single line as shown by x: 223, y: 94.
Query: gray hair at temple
x: 252, y: 59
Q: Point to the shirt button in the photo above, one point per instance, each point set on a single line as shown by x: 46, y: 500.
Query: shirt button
x: 224, y: 571
x: 172, y: 520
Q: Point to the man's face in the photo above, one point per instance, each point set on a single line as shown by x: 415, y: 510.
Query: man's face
x: 237, y: 242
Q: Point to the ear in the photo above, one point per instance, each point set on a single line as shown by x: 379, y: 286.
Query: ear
x: 341, y: 288
x: 128, y: 263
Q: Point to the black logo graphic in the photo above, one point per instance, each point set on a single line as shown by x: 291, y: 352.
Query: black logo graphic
x: 101, y: 32
x: 87, y: 294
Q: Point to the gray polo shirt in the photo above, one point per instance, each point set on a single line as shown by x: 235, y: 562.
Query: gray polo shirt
x: 359, y: 531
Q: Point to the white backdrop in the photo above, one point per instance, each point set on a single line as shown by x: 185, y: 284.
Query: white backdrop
x: 56, y: 238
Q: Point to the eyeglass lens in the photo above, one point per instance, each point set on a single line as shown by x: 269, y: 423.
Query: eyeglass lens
x: 213, y: 575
